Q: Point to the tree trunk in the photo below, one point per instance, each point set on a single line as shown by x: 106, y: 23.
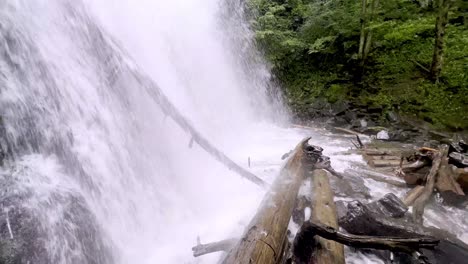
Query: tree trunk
x: 266, y: 236
x: 412, y: 195
x: 421, y: 201
x: 403, y: 244
x: 362, y: 38
x: 441, y: 24
x: 324, y: 211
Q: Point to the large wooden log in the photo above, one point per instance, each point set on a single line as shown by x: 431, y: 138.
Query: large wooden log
x: 446, y: 179
x: 421, y: 201
x: 412, y: 195
x: 170, y: 110
x: 223, y: 245
x: 409, y: 244
x: 324, y: 211
x: 266, y: 236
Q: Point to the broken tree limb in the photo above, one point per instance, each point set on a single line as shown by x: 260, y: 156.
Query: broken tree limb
x: 412, y: 195
x: 446, y: 179
x: 309, y: 229
x: 223, y: 245
x: 266, y: 236
x: 169, y: 109
x: 376, y: 176
x: 324, y: 211
x: 421, y: 201
x: 349, y: 131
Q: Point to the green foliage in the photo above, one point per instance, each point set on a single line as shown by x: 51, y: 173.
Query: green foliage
x: 313, y: 45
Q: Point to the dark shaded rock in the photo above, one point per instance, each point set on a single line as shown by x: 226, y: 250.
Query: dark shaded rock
x: 340, y: 121
x: 374, y: 109
x: 339, y: 107
x: 26, y: 235
x: 361, y: 220
x: 298, y: 214
x: 341, y: 208
x: 350, y: 116
x: 389, y: 205
x: 458, y: 159
x: 350, y: 186
x: 452, y: 199
x: 319, y: 108
x: 392, y: 117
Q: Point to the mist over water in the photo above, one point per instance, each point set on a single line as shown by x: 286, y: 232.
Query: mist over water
x: 102, y: 174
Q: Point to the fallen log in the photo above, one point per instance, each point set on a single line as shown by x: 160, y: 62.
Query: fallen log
x: 385, y: 179
x: 266, y: 236
x: 421, y: 201
x: 361, y: 220
x: 446, y: 179
x: 324, y: 211
x: 384, y: 162
x: 170, y: 110
x: 349, y: 131
x: 412, y: 195
x: 310, y: 229
x: 223, y: 245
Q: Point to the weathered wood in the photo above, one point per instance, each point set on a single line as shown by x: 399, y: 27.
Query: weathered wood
x: 412, y: 195
x: 421, y: 201
x: 361, y: 241
x: 384, y: 163
x: 360, y: 219
x: 445, y: 180
x: 324, y: 211
x: 375, y: 176
x: 349, y: 131
x: 462, y: 177
x: 382, y: 152
x: 170, y: 110
x: 223, y: 245
x: 266, y: 235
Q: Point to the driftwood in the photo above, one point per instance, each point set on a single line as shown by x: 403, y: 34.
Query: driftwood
x: 170, y: 110
x: 384, y: 162
x: 223, y: 245
x: 310, y: 229
x: 361, y: 219
x: 324, y: 211
x: 375, y: 176
x: 445, y: 180
x: 266, y: 236
x: 349, y: 131
x: 412, y: 195
x: 421, y: 201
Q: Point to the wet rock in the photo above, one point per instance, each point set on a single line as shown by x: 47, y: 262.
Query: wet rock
x: 340, y: 121
x: 339, y: 107
x: 350, y: 186
x: 57, y: 228
x: 363, y: 123
x: 389, y: 205
x: 383, y: 135
x: 458, y: 159
x: 392, y: 117
x: 341, y: 208
x: 319, y: 108
x: 362, y: 220
x: 350, y: 116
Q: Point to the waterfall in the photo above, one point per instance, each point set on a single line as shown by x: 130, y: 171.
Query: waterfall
x: 93, y: 171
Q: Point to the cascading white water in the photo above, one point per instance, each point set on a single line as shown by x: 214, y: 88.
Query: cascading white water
x: 92, y: 158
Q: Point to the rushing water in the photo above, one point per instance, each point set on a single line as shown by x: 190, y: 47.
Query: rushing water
x: 95, y: 172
